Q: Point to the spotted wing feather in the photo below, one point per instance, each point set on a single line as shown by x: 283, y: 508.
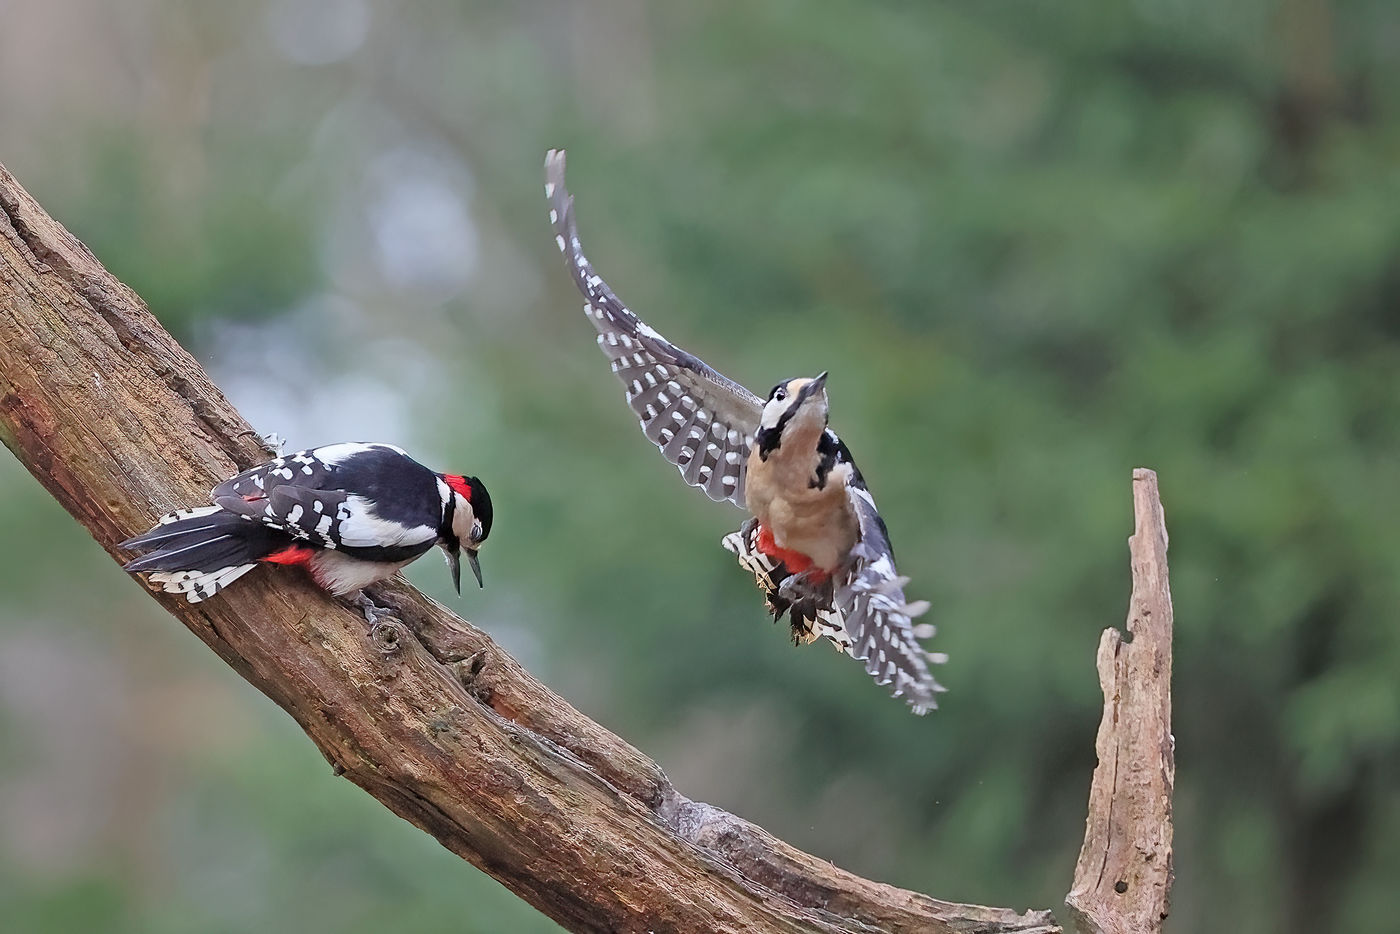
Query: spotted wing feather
x: 288, y: 493
x: 878, y: 619
x: 314, y: 516
x: 302, y: 469
x: 308, y: 495
x: 703, y: 422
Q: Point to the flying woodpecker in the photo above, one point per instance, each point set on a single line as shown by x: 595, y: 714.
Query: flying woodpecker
x: 351, y: 514
x: 815, y: 542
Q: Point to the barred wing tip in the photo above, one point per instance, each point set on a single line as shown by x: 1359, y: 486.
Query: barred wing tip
x: 554, y: 190
x: 879, y: 617
x: 702, y: 421
x: 553, y: 166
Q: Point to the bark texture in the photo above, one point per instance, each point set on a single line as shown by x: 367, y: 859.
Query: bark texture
x: 423, y: 711
x: 1124, y: 875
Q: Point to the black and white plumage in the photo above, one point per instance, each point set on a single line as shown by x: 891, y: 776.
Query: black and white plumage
x: 816, y: 545
x: 351, y: 514
x: 702, y: 421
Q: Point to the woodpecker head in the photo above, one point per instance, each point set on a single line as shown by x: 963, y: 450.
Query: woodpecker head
x: 466, y: 521
x: 796, y: 408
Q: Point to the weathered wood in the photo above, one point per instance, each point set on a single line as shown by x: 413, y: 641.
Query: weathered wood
x: 1124, y: 875
x: 424, y: 711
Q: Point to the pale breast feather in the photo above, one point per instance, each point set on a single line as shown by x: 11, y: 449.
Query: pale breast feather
x: 703, y: 422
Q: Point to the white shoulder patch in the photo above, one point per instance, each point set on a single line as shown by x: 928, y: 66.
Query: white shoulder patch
x: 360, y: 528
x: 333, y: 454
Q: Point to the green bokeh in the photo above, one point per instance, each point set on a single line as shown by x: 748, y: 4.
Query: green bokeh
x: 1036, y: 245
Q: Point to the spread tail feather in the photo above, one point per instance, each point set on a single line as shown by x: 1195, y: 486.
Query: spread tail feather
x: 207, y: 539
x: 199, y: 585
x: 198, y: 552
x: 175, y: 525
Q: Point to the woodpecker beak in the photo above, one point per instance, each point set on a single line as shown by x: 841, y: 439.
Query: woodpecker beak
x: 476, y: 569
x: 454, y: 565
x: 813, y: 388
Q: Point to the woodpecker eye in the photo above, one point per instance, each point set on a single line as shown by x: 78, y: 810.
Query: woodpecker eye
x: 780, y: 395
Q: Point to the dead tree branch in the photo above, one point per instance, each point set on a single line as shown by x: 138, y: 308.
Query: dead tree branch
x: 426, y: 713
x: 1124, y: 875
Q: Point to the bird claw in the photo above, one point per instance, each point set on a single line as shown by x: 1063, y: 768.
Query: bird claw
x: 373, y: 614
x: 275, y: 443
x: 795, y: 587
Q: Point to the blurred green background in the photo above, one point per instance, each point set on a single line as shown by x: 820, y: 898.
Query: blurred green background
x: 1035, y: 244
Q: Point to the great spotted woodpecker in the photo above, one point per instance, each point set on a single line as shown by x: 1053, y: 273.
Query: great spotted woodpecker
x: 351, y: 514
x: 815, y: 542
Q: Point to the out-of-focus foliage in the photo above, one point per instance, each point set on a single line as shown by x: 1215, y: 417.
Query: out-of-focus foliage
x: 1035, y: 244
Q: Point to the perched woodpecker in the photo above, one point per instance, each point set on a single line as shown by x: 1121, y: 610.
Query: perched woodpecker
x: 351, y: 514
x: 815, y: 542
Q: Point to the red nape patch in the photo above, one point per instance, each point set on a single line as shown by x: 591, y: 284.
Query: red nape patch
x: 459, y: 484
x: 253, y: 499
x: 796, y: 561
x: 293, y: 555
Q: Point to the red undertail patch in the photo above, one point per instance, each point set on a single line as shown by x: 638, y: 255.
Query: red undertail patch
x: 292, y: 555
x: 795, y: 561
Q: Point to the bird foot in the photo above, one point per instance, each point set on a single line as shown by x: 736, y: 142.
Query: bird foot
x: 373, y: 613
x: 795, y: 587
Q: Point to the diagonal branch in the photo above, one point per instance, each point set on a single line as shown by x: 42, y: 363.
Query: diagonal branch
x: 1124, y: 873
x: 424, y: 712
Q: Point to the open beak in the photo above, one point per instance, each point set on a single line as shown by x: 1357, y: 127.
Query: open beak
x: 476, y: 569
x: 454, y: 564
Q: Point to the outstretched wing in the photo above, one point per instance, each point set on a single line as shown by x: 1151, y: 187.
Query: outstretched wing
x: 879, y: 620
x: 702, y: 421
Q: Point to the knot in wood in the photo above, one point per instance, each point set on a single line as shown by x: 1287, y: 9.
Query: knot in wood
x: 388, y: 636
